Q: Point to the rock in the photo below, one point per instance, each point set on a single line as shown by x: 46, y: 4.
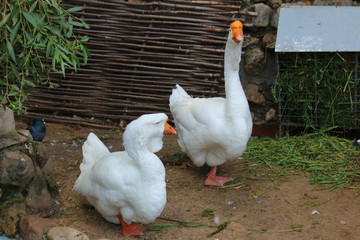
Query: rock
x: 343, y: 2
x: 270, y: 115
x: 25, y: 133
x: 251, y: 41
x: 32, y: 227
x: 253, y: 94
x: 11, y: 210
x: 332, y: 3
x: 16, y: 168
x: 8, y: 134
x: 38, y: 198
x: 65, y: 233
x: 292, y: 4
x: 254, y: 61
x: 275, y: 3
x: 41, y: 153
x: 274, y: 20
x: 263, y: 14
x: 7, y: 121
x: 269, y: 40
x: 323, y: 2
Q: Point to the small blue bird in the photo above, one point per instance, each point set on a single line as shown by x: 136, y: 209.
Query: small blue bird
x: 38, y: 129
x: 357, y: 143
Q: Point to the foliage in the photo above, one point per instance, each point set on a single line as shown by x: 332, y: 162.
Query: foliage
x: 317, y: 89
x: 38, y: 38
x: 325, y: 159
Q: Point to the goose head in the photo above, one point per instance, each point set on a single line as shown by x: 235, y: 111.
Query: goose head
x: 147, y: 132
x: 236, y: 32
x: 233, y: 46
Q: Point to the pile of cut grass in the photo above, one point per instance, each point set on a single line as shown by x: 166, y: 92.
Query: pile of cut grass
x: 323, y: 158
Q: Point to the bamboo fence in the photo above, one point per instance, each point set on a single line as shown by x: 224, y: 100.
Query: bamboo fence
x: 139, y: 51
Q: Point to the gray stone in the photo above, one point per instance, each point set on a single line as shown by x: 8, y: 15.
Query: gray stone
x: 275, y: 3
x: 10, y: 139
x: 251, y: 41
x: 253, y: 94
x: 33, y: 227
x: 254, y: 61
x: 263, y: 14
x: 65, y: 233
x: 270, y: 115
x: 38, y: 198
x: 274, y: 20
x: 269, y: 40
x: 7, y: 121
x: 41, y: 153
x: 16, y: 168
x: 8, y: 135
x: 11, y: 211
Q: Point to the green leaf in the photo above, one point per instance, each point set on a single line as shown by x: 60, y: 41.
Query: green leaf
x: 10, y: 50
x: 29, y: 37
x: 75, y: 9
x: 55, y: 59
x: 30, y: 19
x: 74, y: 64
x: 29, y: 83
x: 84, y: 39
x: 77, y: 24
x: 14, y: 87
x: 54, y: 30
x: 15, y: 71
x: 15, y: 16
x: 63, y: 49
x: 4, y: 20
x: 11, y: 94
x: 70, y: 31
x: 14, y: 32
x: 62, y: 66
x: 85, y: 54
x: 49, y: 49
x: 33, y: 6
x: 65, y: 57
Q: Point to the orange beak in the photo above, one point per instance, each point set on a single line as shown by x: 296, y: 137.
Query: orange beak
x: 168, y: 129
x: 237, y: 31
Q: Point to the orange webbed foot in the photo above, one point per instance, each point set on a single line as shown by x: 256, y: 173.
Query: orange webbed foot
x: 213, y: 180
x: 130, y: 229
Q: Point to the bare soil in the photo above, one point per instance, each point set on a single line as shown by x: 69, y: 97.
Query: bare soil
x: 263, y: 206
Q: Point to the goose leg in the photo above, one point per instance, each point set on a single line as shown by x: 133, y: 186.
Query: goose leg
x: 213, y: 180
x: 130, y: 229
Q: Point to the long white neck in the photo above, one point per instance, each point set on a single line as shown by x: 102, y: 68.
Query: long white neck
x: 235, y: 96
x: 137, y: 148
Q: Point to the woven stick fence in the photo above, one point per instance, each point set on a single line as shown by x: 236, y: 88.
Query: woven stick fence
x: 139, y: 51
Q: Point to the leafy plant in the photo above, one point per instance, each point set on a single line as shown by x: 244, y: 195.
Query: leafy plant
x: 38, y: 38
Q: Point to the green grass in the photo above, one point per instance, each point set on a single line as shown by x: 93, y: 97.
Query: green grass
x: 317, y: 90
x: 323, y: 158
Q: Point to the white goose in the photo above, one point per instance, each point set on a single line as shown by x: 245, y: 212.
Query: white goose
x: 215, y: 130
x: 127, y: 186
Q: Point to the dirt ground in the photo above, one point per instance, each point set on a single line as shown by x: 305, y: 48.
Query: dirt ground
x: 262, y: 206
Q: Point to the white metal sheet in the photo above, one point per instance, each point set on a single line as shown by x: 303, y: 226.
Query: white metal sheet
x: 318, y: 29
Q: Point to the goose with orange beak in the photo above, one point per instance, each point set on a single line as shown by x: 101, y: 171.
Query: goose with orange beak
x: 215, y: 130
x: 128, y: 186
